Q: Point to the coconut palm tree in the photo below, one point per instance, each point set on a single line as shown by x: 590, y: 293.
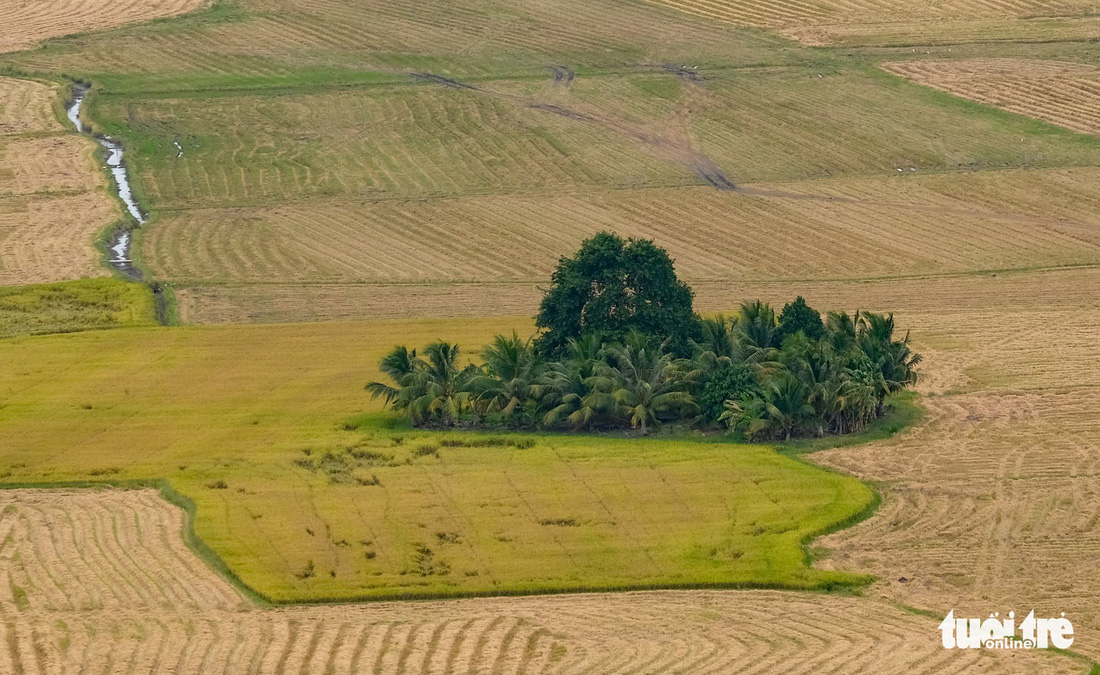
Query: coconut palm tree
x: 644, y: 382
x: 398, y: 365
x: 719, y: 343
x: 786, y: 406
x: 569, y: 397
x: 893, y: 359
x: 513, y: 377
x: 756, y: 334
x: 432, y: 389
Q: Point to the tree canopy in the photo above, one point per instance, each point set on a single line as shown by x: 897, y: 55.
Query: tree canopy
x: 735, y: 377
x: 611, y: 287
x: 798, y: 316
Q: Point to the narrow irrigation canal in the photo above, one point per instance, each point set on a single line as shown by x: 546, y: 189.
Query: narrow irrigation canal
x: 119, y: 243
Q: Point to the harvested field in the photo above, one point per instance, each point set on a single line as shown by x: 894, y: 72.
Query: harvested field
x: 47, y: 239
x: 1066, y: 94
x: 430, y: 141
x: 26, y: 107
x: 888, y: 226
x: 102, y: 577
x: 27, y: 23
x: 943, y: 34
x: 992, y: 503
x: 270, y: 303
x: 305, y: 42
x: 824, y: 22
x: 53, y: 197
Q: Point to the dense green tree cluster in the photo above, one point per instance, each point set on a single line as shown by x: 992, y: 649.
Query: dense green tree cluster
x: 620, y: 345
x: 613, y: 286
x: 740, y: 376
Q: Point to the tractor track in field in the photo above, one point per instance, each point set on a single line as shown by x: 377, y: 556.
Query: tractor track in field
x: 563, y: 75
x: 680, y: 150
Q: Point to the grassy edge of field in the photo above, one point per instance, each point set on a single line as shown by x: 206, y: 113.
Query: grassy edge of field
x: 903, y: 413
x: 967, y: 106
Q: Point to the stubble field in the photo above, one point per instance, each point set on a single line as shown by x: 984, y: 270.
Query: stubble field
x: 113, y: 589
x: 53, y: 197
x: 1062, y: 93
x: 27, y: 22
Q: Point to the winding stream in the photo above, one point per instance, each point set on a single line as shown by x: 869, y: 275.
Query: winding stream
x: 119, y: 244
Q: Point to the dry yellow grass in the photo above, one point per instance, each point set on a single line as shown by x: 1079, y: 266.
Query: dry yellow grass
x: 26, y: 106
x: 992, y: 503
x: 821, y: 22
x: 54, y: 198
x: 28, y: 22
x: 888, y: 226
x: 1066, y: 94
x: 440, y: 258
x: 103, y: 578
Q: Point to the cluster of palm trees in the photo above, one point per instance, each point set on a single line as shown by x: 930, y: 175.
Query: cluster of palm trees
x: 755, y: 374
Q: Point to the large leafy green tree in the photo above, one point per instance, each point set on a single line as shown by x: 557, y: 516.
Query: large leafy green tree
x: 798, y: 316
x: 729, y: 381
x: 612, y: 286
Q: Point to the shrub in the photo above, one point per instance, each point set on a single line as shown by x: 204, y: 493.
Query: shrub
x: 727, y: 382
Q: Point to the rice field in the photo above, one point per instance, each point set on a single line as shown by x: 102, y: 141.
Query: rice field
x: 1062, y: 93
x: 891, y: 226
x: 893, y: 22
x: 29, y: 23
x: 414, y: 175
x: 248, y: 44
x: 437, y: 257
x: 53, y: 197
x: 72, y: 306
x: 305, y: 507
x: 429, y: 140
x: 102, y: 577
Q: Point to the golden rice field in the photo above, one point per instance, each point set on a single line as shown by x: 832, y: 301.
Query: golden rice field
x: 100, y: 580
x: 252, y: 423
x: 53, y: 196
x: 1066, y: 94
x: 28, y: 22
